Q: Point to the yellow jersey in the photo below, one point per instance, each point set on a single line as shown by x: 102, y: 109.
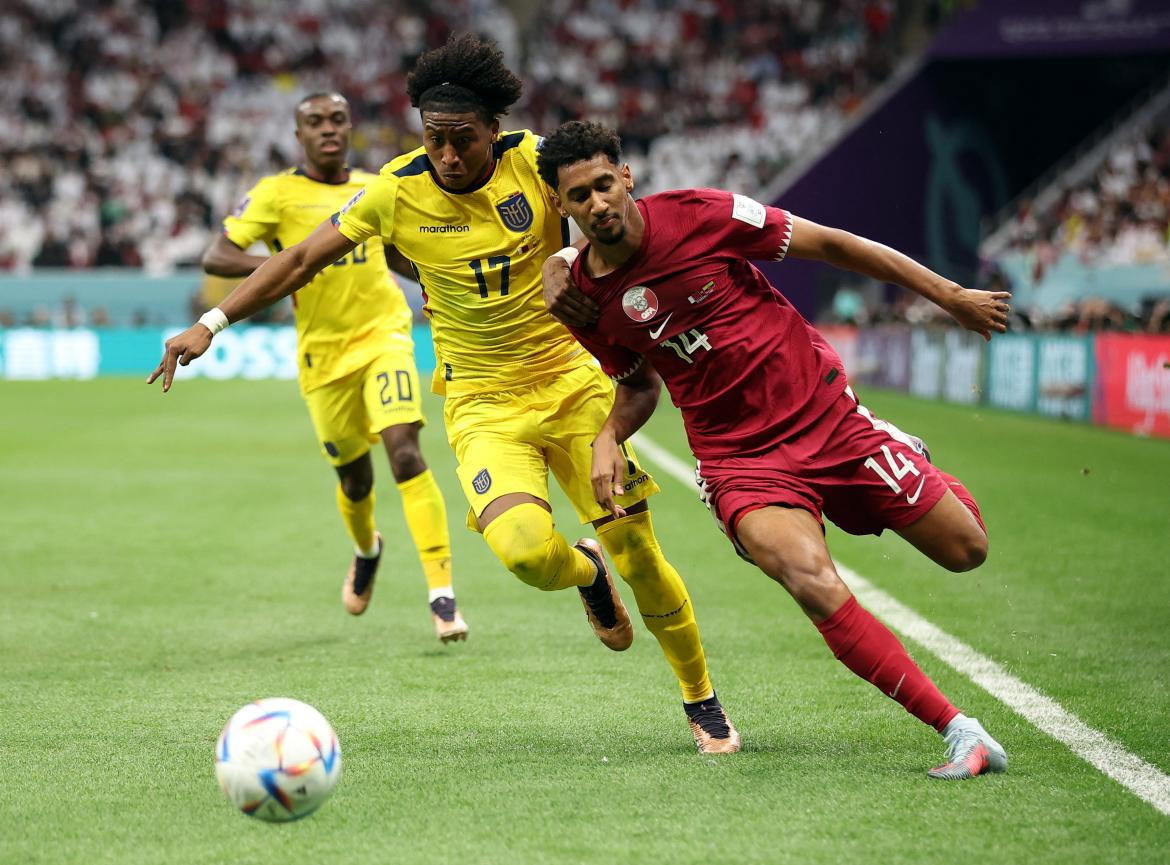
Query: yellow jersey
x: 351, y: 311
x: 478, y: 253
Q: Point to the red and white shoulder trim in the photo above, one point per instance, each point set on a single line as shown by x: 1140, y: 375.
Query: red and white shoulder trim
x: 785, y: 235
x: 629, y: 372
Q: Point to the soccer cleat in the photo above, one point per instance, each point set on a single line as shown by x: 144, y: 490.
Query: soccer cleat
x: 358, y: 587
x: 712, y: 729
x: 970, y: 752
x: 603, y: 605
x: 449, y: 624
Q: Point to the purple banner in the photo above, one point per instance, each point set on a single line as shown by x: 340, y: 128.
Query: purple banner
x: 883, y: 357
x: 1031, y: 28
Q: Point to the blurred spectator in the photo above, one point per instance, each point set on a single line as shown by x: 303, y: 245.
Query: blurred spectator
x: 1120, y: 216
x: 128, y: 128
x: 68, y: 314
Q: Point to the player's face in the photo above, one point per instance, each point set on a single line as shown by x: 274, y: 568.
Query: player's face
x: 595, y: 194
x: 458, y: 145
x: 323, y: 127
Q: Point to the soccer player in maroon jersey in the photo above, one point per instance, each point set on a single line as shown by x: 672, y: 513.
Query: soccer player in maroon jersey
x: 664, y: 291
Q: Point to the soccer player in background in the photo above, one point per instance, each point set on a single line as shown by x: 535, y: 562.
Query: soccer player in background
x: 470, y: 212
x: 354, y: 352
x: 664, y: 291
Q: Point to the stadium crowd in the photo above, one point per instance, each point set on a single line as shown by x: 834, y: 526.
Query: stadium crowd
x: 129, y: 127
x: 1121, y: 215
x: 1117, y: 217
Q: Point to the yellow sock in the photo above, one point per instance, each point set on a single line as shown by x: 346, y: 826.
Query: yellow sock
x: 359, y: 520
x: 662, y: 599
x: 524, y: 539
x: 426, y: 517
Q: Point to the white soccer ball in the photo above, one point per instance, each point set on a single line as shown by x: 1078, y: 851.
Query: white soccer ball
x: 277, y: 759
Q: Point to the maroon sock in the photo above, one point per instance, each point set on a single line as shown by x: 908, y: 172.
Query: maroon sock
x: 869, y: 649
x: 964, y: 495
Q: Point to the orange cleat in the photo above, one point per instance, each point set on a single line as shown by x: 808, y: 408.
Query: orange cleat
x: 603, y: 605
x: 712, y: 729
x: 449, y: 624
x: 358, y: 587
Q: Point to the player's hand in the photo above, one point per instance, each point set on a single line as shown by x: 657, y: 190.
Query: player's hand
x: 181, y: 350
x: 607, y: 472
x: 563, y: 300
x: 984, y: 312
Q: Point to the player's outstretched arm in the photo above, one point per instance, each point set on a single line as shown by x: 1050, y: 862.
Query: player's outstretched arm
x: 224, y: 258
x: 634, y: 403
x: 984, y: 312
x: 278, y: 277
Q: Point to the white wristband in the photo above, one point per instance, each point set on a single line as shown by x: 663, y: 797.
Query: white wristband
x: 569, y: 254
x: 214, y: 320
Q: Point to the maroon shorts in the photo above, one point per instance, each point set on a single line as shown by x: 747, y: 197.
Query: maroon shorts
x: 861, y: 472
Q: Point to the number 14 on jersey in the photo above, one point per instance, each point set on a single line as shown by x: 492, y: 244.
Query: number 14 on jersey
x: 687, y: 343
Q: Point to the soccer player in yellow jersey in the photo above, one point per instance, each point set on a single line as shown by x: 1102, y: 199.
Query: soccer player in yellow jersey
x: 355, y: 354
x: 469, y: 210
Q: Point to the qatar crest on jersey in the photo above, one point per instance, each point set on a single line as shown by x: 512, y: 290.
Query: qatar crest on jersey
x: 640, y: 303
x: 515, y: 211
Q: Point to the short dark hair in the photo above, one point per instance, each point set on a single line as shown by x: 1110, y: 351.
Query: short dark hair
x: 576, y: 141
x: 317, y: 94
x: 466, y: 74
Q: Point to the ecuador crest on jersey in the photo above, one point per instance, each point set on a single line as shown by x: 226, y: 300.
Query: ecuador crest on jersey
x: 515, y: 211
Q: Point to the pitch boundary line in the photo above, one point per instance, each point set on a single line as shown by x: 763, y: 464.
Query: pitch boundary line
x: 1144, y: 780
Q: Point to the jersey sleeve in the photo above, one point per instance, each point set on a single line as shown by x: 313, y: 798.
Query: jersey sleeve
x: 370, y: 212
x: 530, y: 147
x: 742, y: 225
x: 618, y: 362
x: 256, y: 217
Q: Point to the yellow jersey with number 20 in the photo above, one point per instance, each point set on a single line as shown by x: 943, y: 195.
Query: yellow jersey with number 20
x: 478, y: 253
x: 352, y: 311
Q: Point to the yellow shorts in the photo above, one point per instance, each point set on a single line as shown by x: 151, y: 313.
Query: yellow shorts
x: 349, y: 413
x: 507, y: 441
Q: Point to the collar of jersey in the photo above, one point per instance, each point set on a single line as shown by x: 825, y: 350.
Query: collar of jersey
x: 300, y: 172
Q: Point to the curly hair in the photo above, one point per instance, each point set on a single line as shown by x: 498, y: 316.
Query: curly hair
x: 466, y: 74
x: 576, y: 141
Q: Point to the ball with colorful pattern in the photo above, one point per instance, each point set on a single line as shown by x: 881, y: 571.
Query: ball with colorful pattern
x: 277, y: 759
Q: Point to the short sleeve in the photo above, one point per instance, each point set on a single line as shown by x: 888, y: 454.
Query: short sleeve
x: 740, y: 224
x: 255, y: 217
x: 618, y: 362
x: 370, y: 212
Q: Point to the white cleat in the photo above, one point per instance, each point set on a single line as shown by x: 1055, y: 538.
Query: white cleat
x: 970, y: 752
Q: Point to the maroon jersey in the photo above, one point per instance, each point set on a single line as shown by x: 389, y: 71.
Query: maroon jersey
x: 745, y: 368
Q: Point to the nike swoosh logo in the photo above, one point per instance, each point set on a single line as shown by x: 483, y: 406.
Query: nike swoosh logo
x: 898, y: 687
x: 657, y: 332
x: 912, y: 499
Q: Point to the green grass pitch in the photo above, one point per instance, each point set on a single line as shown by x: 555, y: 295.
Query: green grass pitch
x: 164, y: 560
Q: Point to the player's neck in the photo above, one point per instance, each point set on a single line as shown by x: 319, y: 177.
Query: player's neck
x: 603, y: 259
x: 326, y: 174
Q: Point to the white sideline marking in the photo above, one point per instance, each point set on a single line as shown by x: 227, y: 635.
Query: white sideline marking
x: 1144, y: 780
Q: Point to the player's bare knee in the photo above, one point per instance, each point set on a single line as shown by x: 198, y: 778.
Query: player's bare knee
x: 356, y: 478
x: 356, y: 488
x: 403, y: 451
x: 971, y: 551
x: 406, y: 463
